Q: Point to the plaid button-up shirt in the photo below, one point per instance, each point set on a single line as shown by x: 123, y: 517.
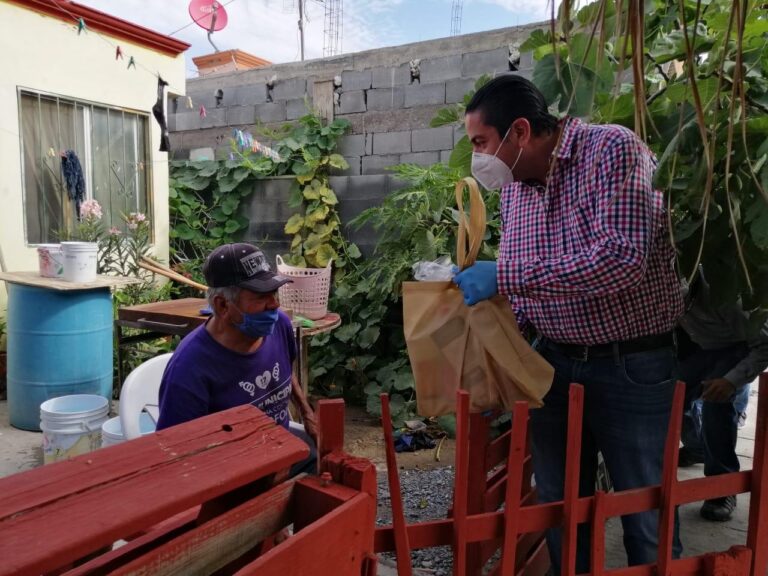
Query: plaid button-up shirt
x: 587, y: 260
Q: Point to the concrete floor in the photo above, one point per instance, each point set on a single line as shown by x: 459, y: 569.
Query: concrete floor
x: 21, y: 450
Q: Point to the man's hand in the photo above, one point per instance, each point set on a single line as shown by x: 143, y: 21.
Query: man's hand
x: 718, y: 390
x: 478, y: 282
x: 310, y: 423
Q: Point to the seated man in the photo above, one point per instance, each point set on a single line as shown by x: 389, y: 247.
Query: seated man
x: 243, y: 354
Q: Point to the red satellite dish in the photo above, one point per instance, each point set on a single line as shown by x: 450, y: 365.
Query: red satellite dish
x: 208, y: 14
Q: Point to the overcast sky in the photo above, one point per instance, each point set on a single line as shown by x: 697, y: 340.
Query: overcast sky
x: 267, y: 28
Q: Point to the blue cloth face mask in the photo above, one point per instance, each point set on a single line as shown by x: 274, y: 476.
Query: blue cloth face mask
x: 257, y: 325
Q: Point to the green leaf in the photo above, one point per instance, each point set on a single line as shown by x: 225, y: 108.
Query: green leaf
x: 372, y: 388
x: 536, y: 39
x: 294, y: 224
x: 311, y: 193
x: 346, y: 332
x: 396, y: 404
x: 316, y: 215
x: 373, y: 405
x: 353, y: 251
x: 446, y: 116
x: 337, y: 161
x: 368, y: 337
x: 461, y: 157
x: 216, y: 232
x: 296, y: 198
x: 325, y: 254
x: 404, y: 381
x: 328, y: 197
x: 231, y: 226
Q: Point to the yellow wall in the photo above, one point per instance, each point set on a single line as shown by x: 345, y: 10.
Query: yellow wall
x: 46, y: 54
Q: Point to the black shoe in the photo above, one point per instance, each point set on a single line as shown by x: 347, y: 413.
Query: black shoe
x: 718, y: 509
x: 688, y: 457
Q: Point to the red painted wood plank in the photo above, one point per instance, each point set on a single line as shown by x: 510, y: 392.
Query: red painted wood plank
x: 669, y: 483
x: 37, y: 487
x: 221, y: 452
x: 351, y: 471
x: 461, y: 484
x: 515, y: 462
x: 538, y: 563
x: 402, y: 548
x: 314, y: 498
x: 320, y: 549
x: 597, y: 554
x: 477, y: 480
x: 218, y: 542
x: 757, y: 535
x: 572, y: 472
x: 497, y: 451
x: 330, y: 418
x: 733, y: 562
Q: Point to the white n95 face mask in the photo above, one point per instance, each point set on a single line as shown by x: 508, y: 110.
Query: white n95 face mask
x: 491, y: 171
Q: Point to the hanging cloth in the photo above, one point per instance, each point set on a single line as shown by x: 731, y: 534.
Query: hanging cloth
x: 73, y: 179
x: 160, y: 112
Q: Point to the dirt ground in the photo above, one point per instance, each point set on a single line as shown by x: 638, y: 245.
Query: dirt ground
x: 364, y: 437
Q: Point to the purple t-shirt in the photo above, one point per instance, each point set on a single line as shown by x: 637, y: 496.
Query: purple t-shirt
x: 204, y: 377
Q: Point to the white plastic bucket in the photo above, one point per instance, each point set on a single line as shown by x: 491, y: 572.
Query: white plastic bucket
x: 79, y: 261
x: 71, y: 425
x: 112, y: 430
x: 50, y: 258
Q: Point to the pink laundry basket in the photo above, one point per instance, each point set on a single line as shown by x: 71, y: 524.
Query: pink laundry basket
x: 308, y: 294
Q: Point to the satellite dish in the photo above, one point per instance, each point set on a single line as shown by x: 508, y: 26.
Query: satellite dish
x: 209, y: 15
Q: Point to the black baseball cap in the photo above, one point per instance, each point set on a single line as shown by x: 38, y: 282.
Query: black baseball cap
x: 242, y: 265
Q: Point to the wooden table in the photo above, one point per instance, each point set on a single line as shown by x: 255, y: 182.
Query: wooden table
x: 180, y: 317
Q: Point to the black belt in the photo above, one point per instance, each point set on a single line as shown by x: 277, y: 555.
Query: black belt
x: 584, y: 353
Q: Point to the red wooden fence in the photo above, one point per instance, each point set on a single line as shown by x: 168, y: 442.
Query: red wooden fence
x: 478, y: 526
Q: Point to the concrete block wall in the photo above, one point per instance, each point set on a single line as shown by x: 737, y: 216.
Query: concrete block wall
x: 389, y: 112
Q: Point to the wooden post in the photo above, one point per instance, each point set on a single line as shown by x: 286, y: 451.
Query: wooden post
x: 461, y: 485
x: 330, y: 421
x: 402, y: 548
x: 515, y: 465
x: 669, y: 484
x: 757, y: 534
x: 572, y: 474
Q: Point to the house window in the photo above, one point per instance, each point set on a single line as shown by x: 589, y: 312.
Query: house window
x: 112, y: 147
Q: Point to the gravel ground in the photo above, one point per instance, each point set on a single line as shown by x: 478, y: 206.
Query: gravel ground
x: 427, y: 495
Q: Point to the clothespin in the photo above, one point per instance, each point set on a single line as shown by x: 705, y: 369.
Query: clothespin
x: 141, y: 166
x: 131, y: 62
x: 189, y: 102
x: 51, y: 153
x: 118, y: 53
x: 80, y: 26
x: 203, y: 113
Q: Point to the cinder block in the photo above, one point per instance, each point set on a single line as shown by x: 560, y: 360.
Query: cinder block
x: 352, y: 102
x: 379, y: 164
x: 390, y: 77
x: 370, y: 186
x: 238, y: 115
x: 352, y: 145
x: 421, y: 158
x: 440, y: 69
x: 424, y: 94
x: 490, y: 62
x: 339, y: 185
x: 271, y: 112
x: 432, y: 139
x: 289, y: 89
x: 297, y: 108
x: 208, y: 98
x: 353, y: 80
x: 445, y: 156
x: 251, y: 94
x: 455, y: 90
x: 386, y: 98
x: 187, y: 121
x: 392, y: 142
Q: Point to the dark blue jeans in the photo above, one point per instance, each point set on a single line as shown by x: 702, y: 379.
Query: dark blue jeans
x: 627, y: 404
x: 710, y: 429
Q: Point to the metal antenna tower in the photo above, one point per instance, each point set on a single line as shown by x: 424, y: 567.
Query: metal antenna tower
x: 333, y: 28
x: 456, y: 12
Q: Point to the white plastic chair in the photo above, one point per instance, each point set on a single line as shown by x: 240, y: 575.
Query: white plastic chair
x: 141, y: 391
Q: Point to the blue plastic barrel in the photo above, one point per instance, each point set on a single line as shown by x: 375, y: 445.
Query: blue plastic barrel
x: 59, y: 343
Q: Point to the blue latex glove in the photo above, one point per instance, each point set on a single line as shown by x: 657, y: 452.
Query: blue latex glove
x: 478, y: 282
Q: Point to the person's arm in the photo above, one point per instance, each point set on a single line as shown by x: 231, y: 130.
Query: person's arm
x: 622, y: 233
x: 183, y: 395
x: 307, y: 414
x: 756, y: 361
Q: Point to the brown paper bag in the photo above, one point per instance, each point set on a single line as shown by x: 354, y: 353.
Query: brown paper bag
x: 476, y: 348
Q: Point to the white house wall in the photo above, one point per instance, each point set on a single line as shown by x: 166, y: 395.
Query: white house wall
x: 45, y: 54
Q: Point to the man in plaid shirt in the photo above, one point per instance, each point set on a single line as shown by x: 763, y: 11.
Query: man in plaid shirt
x: 586, y: 262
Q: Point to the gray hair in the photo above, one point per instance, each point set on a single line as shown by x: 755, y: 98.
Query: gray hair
x: 230, y: 294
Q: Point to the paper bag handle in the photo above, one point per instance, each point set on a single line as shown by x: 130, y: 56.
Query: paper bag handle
x: 471, y: 230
